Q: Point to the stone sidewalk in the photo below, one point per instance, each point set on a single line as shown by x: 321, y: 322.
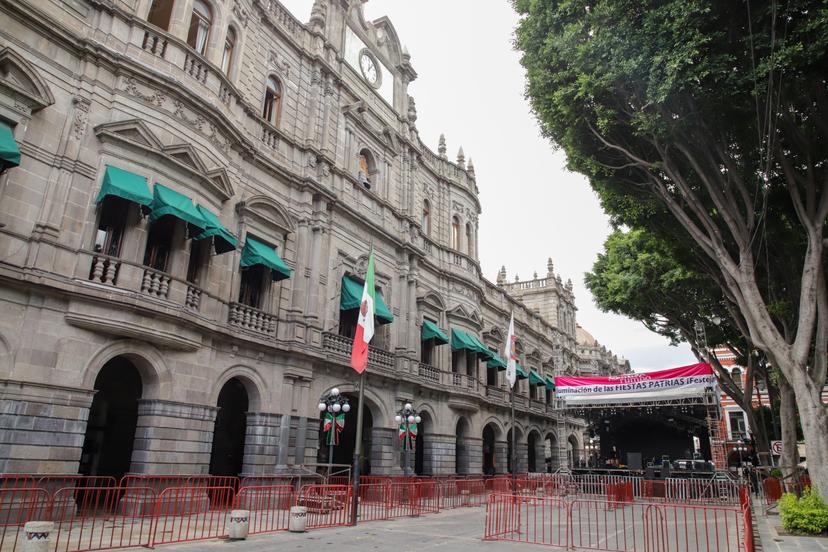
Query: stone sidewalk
x: 450, y: 531
x: 771, y: 541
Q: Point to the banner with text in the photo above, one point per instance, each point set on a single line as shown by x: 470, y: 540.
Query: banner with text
x: 675, y: 383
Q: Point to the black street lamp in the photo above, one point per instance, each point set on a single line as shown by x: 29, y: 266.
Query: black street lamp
x: 334, y: 405
x: 408, y: 418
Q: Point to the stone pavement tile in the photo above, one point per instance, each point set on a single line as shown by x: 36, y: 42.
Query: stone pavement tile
x: 449, y: 531
x: 773, y: 542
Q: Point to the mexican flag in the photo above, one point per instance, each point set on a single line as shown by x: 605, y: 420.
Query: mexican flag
x: 365, y: 324
x: 407, y: 438
x: 334, y: 424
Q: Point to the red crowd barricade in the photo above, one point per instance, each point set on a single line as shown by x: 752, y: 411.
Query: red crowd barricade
x: 529, y: 519
x: 101, y: 518
x: 773, y: 490
x: 373, y: 501
x: 622, y: 526
x: 328, y: 505
x: 18, y: 507
x: 191, y: 513
x: 269, y: 507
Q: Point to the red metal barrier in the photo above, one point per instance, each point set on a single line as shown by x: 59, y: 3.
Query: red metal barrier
x: 191, y: 513
x: 616, y: 526
x: 17, y: 507
x: 619, y: 493
x: 101, y: 518
x: 373, y: 501
x: 269, y: 507
x: 528, y: 519
x: 773, y: 490
x: 328, y: 505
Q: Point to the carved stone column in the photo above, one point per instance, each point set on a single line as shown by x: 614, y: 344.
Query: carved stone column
x: 173, y: 438
x: 261, y: 443
x: 501, y: 459
x: 299, y: 298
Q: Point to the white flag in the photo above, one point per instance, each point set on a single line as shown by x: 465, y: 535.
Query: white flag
x: 509, y: 353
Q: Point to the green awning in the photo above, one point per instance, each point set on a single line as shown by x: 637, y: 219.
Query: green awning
x: 496, y: 362
x: 351, y: 298
x: 169, y: 202
x: 431, y: 331
x: 535, y: 378
x: 130, y: 186
x: 258, y: 253
x: 9, y: 151
x: 463, y: 340
x: 550, y: 383
x: 521, y: 373
x: 223, y: 240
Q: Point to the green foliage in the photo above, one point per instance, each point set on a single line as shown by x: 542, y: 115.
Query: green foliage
x: 808, y: 514
x: 640, y: 276
x: 777, y: 473
x: 665, y: 102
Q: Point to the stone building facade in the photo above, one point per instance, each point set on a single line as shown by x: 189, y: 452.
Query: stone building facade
x: 198, y: 187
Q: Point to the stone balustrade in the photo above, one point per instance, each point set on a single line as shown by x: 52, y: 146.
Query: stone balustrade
x: 155, y: 283
x: 104, y: 269
x: 253, y: 319
x: 429, y: 373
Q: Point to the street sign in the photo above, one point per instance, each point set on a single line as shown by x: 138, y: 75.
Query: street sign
x: 776, y: 447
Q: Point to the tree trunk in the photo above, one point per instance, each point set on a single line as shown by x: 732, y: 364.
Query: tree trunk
x: 760, y: 437
x: 787, y: 421
x: 814, y: 420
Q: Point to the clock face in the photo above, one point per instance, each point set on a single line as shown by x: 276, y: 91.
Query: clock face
x: 369, y: 68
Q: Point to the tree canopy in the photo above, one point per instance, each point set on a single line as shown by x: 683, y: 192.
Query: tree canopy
x: 706, y: 119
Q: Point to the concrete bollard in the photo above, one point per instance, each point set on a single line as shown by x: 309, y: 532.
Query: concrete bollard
x: 38, y: 535
x: 239, y: 524
x: 298, y: 519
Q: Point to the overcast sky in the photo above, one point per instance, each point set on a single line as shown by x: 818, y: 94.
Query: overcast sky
x: 470, y: 87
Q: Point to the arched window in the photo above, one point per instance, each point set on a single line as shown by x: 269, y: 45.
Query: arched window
x: 273, y: 101
x: 200, y: 22
x: 469, y: 240
x: 227, y: 55
x: 455, y: 232
x: 426, y: 218
x: 367, y: 168
x: 160, y: 13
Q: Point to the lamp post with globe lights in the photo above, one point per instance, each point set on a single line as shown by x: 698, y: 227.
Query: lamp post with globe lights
x: 334, y: 405
x: 407, y: 418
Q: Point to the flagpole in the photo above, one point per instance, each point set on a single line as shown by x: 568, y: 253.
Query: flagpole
x: 357, y: 449
x: 514, y: 441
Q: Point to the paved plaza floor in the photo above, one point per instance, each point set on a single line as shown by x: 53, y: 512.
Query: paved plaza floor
x: 448, y: 531
x: 774, y: 542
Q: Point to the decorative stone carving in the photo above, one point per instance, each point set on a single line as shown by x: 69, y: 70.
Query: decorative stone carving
x: 279, y: 63
x: 412, y: 110
x: 441, y: 146
x: 196, y: 122
x: 241, y: 13
x: 457, y: 207
x: 329, y: 85
x: 156, y: 97
x: 319, y: 16
x: 81, y: 117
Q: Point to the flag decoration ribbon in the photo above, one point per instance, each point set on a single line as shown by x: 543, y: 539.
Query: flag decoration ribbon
x: 365, y: 323
x: 408, y: 438
x: 334, y: 424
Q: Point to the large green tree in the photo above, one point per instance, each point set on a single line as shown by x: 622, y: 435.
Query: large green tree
x: 641, y: 276
x: 715, y: 112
